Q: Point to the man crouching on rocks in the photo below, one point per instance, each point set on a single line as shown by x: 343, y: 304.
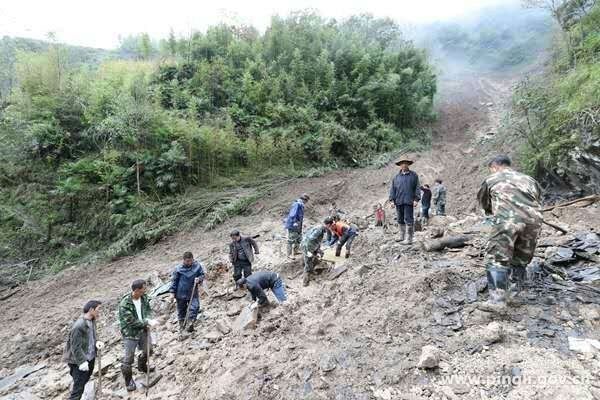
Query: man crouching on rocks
x: 258, y: 282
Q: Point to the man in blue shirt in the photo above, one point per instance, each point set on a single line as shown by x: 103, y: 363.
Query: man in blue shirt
x: 405, y: 194
x: 186, y: 276
x: 293, y: 224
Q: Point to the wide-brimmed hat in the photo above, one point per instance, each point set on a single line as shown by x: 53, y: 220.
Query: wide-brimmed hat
x: 404, y: 160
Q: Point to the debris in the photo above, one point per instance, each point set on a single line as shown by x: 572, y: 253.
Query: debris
x: 246, y: 320
x: 559, y: 255
x: 558, y: 228
x: 493, y: 333
x: 234, y: 310
x: 581, y: 202
x: 430, y: 357
x: 583, y: 345
x: 327, y: 363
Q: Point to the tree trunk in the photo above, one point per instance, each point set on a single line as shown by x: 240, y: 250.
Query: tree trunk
x: 137, y: 176
x: 450, y: 242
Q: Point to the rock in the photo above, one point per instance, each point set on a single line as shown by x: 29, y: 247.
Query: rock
x: 89, y: 391
x: 120, y: 394
x: 327, y: 363
x: 430, y: 357
x: 234, y: 310
x: 516, y: 375
x: 213, y: 336
x: 559, y: 255
x: 20, y: 373
x: 203, y: 345
x: 223, y: 326
x: 461, y: 389
x: 493, y: 333
x: 583, y: 345
x: 337, y: 271
x: 246, y: 320
x: 448, y: 392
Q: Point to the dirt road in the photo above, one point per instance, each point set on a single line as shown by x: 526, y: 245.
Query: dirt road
x: 356, y: 337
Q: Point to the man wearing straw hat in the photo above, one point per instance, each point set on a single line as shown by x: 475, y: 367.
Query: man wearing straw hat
x: 405, y: 194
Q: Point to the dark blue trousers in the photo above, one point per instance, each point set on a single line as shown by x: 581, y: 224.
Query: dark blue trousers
x: 405, y: 214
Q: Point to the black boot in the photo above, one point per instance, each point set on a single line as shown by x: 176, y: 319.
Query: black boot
x: 143, y: 364
x: 410, y: 232
x: 498, y: 286
x: 190, y: 325
x: 305, y: 278
x: 128, y: 376
x: 338, y: 250
x: 518, y: 279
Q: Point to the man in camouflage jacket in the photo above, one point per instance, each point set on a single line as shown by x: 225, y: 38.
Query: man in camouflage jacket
x: 134, y: 321
x: 311, y: 247
x: 513, y: 200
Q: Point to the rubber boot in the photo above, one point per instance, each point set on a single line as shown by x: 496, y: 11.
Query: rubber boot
x: 347, y: 253
x: 305, y: 279
x: 402, y: 233
x: 143, y: 364
x: 290, y: 251
x: 498, y: 287
x: 518, y: 278
x: 338, y: 250
x: 410, y: 234
x: 128, y: 376
x: 181, y: 326
x: 190, y: 326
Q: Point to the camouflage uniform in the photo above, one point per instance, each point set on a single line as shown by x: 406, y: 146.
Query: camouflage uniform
x: 514, y: 201
x: 439, y: 199
x: 311, y: 243
x: 135, y: 334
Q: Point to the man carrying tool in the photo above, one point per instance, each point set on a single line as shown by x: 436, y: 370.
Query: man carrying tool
x: 135, y: 324
x: 311, y: 248
x: 513, y: 200
x: 80, y: 351
x: 293, y: 224
x: 184, y: 286
x: 342, y: 233
x: 439, y: 197
x: 259, y: 281
x: 404, y: 194
x: 241, y: 255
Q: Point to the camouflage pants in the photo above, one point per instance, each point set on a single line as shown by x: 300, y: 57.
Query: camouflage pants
x: 294, y: 238
x: 511, y: 244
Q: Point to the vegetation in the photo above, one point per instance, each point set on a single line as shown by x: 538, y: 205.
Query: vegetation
x: 117, y: 153
x: 561, y: 110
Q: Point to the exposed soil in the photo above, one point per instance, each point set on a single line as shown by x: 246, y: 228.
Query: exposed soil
x: 356, y: 337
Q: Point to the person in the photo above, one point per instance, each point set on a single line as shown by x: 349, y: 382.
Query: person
x: 134, y: 322
x: 513, y: 201
x: 439, y: 197
x: 342, y: 233
x: 311, y: 247
x: 293, y: 224
x: 404, y: 194
x: 241, y: 255
x: 379, y: 215
x: 80, y: 351
x: 185, y: 277
x: 259, y: 281
x: 425, y: 202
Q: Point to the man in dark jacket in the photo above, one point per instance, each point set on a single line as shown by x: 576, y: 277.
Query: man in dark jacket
x: 80, y: 351
x: 186, y: 276
x: 404, y: 194
x: 293, y: 224
x: 261, y: 280
x: 135, y: 321
x: 241, y: 255
x: 425, y: 202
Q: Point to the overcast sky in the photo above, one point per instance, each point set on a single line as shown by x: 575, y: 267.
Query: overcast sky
x: 99, y: 23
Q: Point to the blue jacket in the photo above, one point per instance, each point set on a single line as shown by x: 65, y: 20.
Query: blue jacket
x: 405, y: 189
x: 295, y: 217
x: 182, y: 280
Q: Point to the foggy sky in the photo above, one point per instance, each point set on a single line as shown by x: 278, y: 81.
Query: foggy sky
x: 98, y: 23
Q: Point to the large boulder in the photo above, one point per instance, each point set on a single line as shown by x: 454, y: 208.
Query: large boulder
x: 246, y: 320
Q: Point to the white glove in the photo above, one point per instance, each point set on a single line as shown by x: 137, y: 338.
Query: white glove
x: 254, y: 305
x: 152, y: 322
x: 99, y: 345
x: 84, y: 366
x: 309, y: 254
x: 295, y: 224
